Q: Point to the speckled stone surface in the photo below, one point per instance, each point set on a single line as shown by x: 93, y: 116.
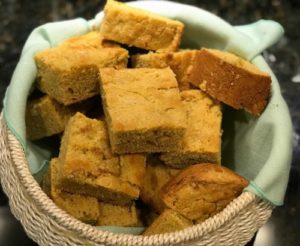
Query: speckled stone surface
x: 18, y: 18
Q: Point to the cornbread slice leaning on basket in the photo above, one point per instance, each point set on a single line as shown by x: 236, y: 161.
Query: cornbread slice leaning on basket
x: 155, y: 153
x: 84, y: 208
x: 195, y: 194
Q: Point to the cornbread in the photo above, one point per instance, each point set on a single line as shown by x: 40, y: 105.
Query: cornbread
x: 83, y: 208
x: 90, y: 39
x: 168, y: 221
x: 202, y: 190
x: 202, y: 139
x: 115, y: 215
x: 157, y: 175
x: 133, y: 169
x: 231, y: 80
x: 179, y: 62
x: 143, y: 29
x: 143, y: 109
x: 70, y: 75
x: 46, y: 117
x: 88, y: 167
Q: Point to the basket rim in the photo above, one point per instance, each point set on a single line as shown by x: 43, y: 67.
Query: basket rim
x: 94, y: 234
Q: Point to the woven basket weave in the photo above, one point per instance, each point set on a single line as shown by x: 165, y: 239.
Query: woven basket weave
x: 48, y: 225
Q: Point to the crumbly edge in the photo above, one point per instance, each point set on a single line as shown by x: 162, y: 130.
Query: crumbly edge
x: 113, y: 7
x: 237, y: 61
x: 51, y: 187
x: 182, y: 160
x: 173, y: 201
x: 60, y: 84
x: 47, y: 79
x: 116, y: 215
x: 236, y: 83
x: 162, y: 60
x: 100, y: 192
x: 46, y: 117
x: 176, y: 40
x: 149, y: 141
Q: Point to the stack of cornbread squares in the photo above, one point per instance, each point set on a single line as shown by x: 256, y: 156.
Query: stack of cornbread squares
x: 153, y: 159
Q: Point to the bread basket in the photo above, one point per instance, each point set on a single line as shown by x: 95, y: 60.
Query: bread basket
x: 46, y: 224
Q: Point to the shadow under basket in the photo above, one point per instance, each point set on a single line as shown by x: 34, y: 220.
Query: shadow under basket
x: 46, y: 224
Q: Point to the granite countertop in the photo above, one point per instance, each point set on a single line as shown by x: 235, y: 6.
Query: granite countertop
x: 18, y: 18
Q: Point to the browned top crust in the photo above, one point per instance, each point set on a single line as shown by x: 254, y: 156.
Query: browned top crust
x: 59, y: 58
x: 202, y: 190
x: 148, y: 94
x: 231, y: 80
x: 89, y: 40
x: 140, y: 28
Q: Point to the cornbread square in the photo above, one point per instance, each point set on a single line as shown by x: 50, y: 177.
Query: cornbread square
x: 231, y: 80
x: 88, y: 167
x: 168, y: 221
x: 157, y: 175
x: 179, y: 62
x: 90, y: 39
x: 46, y: 117
x: 202, y: 139
x: 202, y: 190
x: 70, y: 75
x: 83, y: 208
x: 143, y: 109
x: 135, y: 27
x: 115, y: 215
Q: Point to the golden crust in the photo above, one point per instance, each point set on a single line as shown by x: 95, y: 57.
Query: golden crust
x: 179, y: 62
x: 84, y: 208
x: 202, y: 190
x: 59, y: 67
x: 135, y: 27
x: 201, y: 141
x: 150, y: 95
x: 46, y: 117
x: 231, y: 80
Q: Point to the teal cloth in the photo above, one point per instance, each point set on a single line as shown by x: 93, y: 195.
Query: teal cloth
x: 257, y: 148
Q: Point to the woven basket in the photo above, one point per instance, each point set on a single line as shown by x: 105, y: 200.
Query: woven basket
x: 48, y: 225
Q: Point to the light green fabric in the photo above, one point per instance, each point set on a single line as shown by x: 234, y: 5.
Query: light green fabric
x: 45, y: 36
x: 257, y: 148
